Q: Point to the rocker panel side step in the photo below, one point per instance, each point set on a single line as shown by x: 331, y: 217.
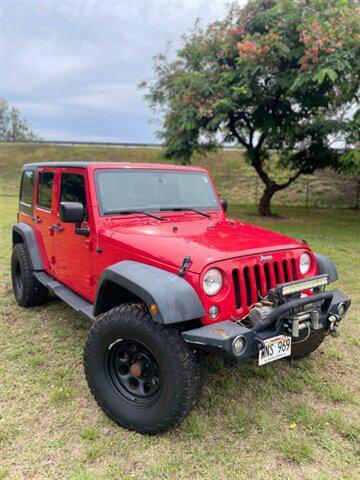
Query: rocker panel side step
x: 69, y: 297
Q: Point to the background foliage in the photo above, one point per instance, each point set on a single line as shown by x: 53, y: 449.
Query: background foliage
x: 12, y: 127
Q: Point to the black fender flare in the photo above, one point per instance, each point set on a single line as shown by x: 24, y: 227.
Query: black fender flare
x: 175, y: 298
x: 326, y: 265
x: 27, y: 234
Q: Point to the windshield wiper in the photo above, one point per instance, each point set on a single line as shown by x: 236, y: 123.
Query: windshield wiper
x: 129, y: 212
x: 185, y: 209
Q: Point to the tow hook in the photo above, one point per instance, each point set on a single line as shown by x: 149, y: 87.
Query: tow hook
x: 260, y: 344
x: 333, y: 327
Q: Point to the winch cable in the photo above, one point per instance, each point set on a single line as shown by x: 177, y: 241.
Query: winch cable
x: 303, y: 339
x: 284, y: 307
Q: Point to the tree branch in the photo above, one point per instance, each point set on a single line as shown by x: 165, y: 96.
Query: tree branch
x: 281, y: 186
x: 243, y: 116
x: 235, y: 133
x: 260, y: 142
x: 256, y: 163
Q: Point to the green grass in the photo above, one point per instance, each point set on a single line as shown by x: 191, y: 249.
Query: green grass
x: 295, y: 448
x: 235, y: 179
x: 281, y: 421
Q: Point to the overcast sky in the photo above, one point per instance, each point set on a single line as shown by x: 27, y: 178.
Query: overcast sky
x: 73, y: 67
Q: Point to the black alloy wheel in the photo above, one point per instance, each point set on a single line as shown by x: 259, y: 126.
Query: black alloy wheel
x: 133, y: 370
x: 27, y: 289
x: 141, y: 372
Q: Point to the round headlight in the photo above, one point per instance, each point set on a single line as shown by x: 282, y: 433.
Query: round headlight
x: 212, y: 282
x: 305, y: 263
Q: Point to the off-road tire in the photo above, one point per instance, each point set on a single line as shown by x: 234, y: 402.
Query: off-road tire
x: 181, y: 371
x: 27, y: 289
x: 302, y: 349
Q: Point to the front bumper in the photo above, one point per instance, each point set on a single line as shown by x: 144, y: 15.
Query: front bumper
x: 219, y: 337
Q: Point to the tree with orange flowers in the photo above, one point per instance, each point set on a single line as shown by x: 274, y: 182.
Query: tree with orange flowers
x: 273, y: 75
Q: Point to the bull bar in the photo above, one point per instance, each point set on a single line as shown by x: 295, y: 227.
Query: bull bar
x: 219, y: 337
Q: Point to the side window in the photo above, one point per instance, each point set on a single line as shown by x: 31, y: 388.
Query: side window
x: 27, y: 192
x: 72, y: 188
x: 46, y: 183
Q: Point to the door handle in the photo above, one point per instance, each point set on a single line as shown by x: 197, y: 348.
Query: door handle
x: 58, y: 228
x: 36, y: 219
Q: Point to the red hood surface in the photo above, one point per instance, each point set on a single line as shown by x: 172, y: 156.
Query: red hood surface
x: 204, y: 240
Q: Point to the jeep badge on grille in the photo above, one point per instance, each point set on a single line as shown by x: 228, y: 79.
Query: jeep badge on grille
x: 265, y: 258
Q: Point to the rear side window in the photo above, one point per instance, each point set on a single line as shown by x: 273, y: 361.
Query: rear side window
x: 46, y: 183
x: 72, y: 188
x: 27, y: 192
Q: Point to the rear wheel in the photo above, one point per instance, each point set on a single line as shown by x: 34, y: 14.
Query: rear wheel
x: 303, y: 348
x: 27, y: 289
x: 141, y: 373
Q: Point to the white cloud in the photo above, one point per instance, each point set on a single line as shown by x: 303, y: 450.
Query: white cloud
x: 40, y: 63
x: 64, y: 59
x: 120, y: 98
x: 117, y: 97
x: 59, y: 134
x: 39, y: 108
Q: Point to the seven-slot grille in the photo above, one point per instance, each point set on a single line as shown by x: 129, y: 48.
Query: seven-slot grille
x: 251, y: 282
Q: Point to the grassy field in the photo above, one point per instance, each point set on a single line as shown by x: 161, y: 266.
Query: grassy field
x: 287, y: 420
x: 236, y: 180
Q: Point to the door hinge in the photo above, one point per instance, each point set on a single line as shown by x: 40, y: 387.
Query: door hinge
x: 89, y: 244
x: 90, y: 279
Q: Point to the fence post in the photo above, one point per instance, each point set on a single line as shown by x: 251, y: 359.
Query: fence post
x: 256, y: 190
x: 307, y: 193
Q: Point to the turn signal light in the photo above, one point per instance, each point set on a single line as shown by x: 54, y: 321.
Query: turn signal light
x: 154, y: 309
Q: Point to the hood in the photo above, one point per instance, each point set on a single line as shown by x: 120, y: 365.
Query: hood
x: 204, y: 240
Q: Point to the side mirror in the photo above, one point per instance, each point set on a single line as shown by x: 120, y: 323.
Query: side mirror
x: 224, y: 204
x: 71, y: 212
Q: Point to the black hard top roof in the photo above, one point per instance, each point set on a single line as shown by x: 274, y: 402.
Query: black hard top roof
x: 31, y: 166
x: 34, y: 166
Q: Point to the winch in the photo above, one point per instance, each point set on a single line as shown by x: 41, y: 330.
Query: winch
x: 259, y: 312
x: 298, y: 320
x: 304, y: 320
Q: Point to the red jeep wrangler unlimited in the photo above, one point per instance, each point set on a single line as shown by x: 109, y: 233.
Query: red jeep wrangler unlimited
x: 147, y: 254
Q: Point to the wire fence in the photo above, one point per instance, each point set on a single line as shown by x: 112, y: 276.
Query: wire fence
x: 236, y: 181
x: 322, y: 190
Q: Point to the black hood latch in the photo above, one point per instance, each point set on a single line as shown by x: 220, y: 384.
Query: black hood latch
x: 185, y: 265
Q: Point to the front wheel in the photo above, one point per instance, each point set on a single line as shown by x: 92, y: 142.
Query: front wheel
x: 141, y: 373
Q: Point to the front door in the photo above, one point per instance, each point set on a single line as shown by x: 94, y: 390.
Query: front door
x: 73, y: 256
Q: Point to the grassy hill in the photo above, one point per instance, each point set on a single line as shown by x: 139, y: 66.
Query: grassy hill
x: 234, y: 178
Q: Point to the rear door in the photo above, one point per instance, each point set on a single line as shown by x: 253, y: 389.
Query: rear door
x: 26, y: 198
x: 73, y: 252
x: 44, y: 214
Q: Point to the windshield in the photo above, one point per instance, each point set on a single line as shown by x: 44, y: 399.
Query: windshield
x: 153, y: 190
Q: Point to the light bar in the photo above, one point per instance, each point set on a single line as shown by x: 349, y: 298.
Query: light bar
x: 306, y: 284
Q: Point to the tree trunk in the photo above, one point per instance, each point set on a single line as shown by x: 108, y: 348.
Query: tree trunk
x: 271, y: 186
x: 265, y: 201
